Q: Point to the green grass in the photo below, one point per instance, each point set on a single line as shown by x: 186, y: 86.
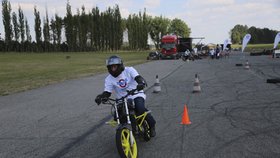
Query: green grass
x: 24, y: 71
x: 254, y: 47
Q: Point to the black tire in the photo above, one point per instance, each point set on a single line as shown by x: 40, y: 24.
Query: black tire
x: 238, y: 64
x: 122, y: 138
x: 146, y: 132
x: 275, y: 80
x: 255, y: 54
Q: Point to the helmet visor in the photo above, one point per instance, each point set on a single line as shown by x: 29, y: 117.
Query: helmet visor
x: 113, y: 61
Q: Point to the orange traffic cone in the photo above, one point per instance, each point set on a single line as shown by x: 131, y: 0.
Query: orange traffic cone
x: 196, y: 86
x: 185, y: 118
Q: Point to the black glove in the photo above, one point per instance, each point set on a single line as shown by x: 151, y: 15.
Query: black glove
x: 104, y: 99
x: 101, y: 98
x: 140, y: 87
x: 98, y: 99
x: 141, y: 83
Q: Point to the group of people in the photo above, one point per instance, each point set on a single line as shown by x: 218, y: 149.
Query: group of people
x: 216, y: 53
x: 191, y: 55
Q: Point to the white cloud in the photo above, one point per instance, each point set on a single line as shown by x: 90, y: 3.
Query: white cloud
x: 152, y: 3
x: 124, y: 13
x: 195, y: 4
x: 214, y: 18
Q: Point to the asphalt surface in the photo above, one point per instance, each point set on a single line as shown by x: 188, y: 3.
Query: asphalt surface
x: 236, y: 114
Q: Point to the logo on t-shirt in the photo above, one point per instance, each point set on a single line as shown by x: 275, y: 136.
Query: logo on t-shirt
x: 122, y: 83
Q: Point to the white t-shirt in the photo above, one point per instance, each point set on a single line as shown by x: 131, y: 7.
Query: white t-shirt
x: 125, y: 81
x: 187, y: 52
x: 212, y: 51
x: 195, y: 51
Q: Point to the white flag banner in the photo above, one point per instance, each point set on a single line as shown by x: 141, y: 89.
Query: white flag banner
x: 226, y: 42
x: 276, y: 40
x: 245, y: 41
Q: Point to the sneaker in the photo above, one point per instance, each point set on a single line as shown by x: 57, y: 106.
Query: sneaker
x: 153, y: 131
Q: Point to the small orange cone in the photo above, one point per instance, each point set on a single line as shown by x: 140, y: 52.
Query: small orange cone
x: 185, y: 118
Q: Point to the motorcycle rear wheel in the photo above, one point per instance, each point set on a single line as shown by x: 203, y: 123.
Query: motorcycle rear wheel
x: 146, y: 132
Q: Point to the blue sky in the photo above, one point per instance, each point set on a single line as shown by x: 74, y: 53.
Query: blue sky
x: 211, y: 19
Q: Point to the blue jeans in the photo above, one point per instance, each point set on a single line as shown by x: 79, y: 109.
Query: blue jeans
x: 140, y: 109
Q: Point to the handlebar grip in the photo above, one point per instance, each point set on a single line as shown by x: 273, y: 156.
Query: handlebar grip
x: 131, y: 92
x: 104, y: 100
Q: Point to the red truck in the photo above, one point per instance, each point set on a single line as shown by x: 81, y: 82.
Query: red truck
x: 172, y: 46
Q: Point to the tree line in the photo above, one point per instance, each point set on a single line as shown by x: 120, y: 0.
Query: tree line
x: 84, y: 31
x: 258, y: 36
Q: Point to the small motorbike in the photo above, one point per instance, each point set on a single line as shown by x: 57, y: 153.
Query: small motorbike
x: 128, y: 125
x: 187, y: 56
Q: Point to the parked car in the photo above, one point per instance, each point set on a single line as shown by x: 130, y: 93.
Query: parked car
x: 153, y: 56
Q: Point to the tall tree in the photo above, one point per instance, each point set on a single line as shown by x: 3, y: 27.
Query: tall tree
x: 6, y: 14
x: 53, y: 31
x: 261, y: 36
x: 137, y: 28
x: 159, y: 27
x: 83, y: 28
x: 254, y: 34
x: 68, y: 24
x: 58, y: 27
x: 27, y: 43
x: 46, y: 28
x: 96, y: 28
x: 46, y: 32
x: 21, y: 24
x: 27, y: 31
x: 37, y: 26
x: 16, y: 26
x: 237, y: 33
x: 102, y: 31
x: 146, y: 29
x: 118, y: 38
x: 130, y: 31
x: 91, y: 29
x: 235, y: 37
x: 109, y: 27
x: 76, y: 31
x: 258, y: 36
x: 179, y: 27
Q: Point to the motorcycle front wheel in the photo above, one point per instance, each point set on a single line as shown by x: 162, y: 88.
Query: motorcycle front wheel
x: 126, y: 143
